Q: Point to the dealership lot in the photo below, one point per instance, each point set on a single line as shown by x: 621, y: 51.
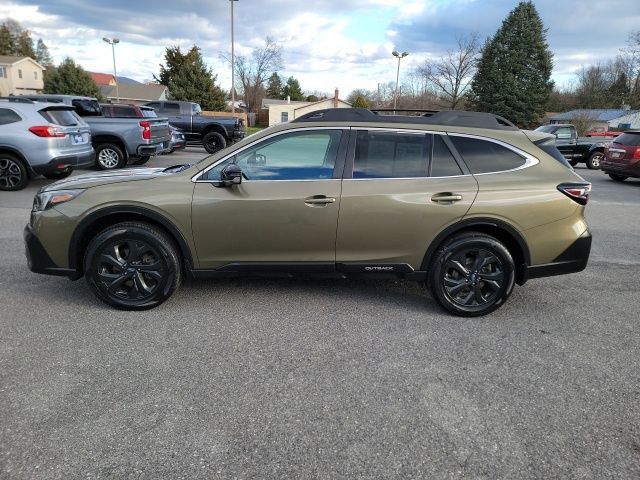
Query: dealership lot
x: 280, y: 378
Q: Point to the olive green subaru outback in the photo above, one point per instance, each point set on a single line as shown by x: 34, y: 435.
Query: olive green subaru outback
x: 465, y: 202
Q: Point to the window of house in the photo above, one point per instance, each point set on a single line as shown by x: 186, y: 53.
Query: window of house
x: 8, y: 116
x: 391, y: 155
x: 3, y: 72
x: 19, y: 73
x: 284, y: 117
x: 442, y: 162
x: 35, y: 75
x: 482, y: 156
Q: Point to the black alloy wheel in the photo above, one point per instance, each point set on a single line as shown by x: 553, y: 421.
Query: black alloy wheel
x: 13, y: 174
x: 213, y: 142
x: 472, y: 274
x: 132, y: 266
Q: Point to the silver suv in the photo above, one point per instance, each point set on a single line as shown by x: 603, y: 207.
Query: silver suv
x: 40, y: 139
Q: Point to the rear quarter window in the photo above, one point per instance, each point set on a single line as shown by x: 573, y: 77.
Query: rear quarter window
x: 483, y: 156
x: 8, y: 116
x: 632, y: 139
x: 63, y: 117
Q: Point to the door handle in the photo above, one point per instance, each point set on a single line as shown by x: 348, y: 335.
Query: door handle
x: 319, y: 200
x: 447, y: 197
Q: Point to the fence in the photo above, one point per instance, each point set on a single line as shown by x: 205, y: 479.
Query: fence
x: 241, y: 115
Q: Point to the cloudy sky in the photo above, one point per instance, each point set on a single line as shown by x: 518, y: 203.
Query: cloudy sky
x: 327, y: 43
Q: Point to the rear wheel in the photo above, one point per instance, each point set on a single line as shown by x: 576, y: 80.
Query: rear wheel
x: 594, y: 160
x: 573, y: 163
x: 617, y: 178
x: 132, y: 266
x: 472, y: 274
x: 213, y: 142
x: 13, y: 174
x: 110, y: 156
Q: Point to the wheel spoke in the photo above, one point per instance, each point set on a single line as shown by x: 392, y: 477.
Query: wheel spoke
x: 112, y: 260
x: 497, y: 276
x: 454, y: 286
x: 495, y: 286
x: 477, y: 293
x: 134, y: 251
x: 456, y: 265
x: 468, y: 298
x: 108, y: 278
x: 117, y: 283
x: 141, y: 285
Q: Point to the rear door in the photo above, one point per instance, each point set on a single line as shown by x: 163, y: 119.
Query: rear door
x: 401, y: 188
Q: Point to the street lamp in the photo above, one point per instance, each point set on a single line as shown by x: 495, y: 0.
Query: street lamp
x: 399, y: 57
x: 233, y: 77
x: 113, y: 42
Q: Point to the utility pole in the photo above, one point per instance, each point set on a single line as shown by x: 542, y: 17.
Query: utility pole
x: 399, y: 57
x: 233, y: 67
x: 113, y: 42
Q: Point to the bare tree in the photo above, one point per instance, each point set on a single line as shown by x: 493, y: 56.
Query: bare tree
x: 451, y: 74
x: 252, y: 73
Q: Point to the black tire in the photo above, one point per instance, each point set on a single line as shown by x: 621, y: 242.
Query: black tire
x: 594, y: 160
x: 141, y: 160
x: 13, y: 173
x: 57, y: 175
x: 573, y: 163
x: 617, y: 178
x: 132, y: 266
x: 213, y: 142
x: 109, y: 156
x: 471, y: 274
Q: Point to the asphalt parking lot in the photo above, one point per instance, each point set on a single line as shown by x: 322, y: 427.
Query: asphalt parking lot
x: 308, y: 378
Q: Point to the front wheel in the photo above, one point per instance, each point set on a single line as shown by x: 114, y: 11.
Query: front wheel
x: 594, y: 160
x: 13, y: 174
x: 573, y: 163
x: 213, y: 142
x: 132, y: 266
x: 617, y: 178
x: 110, y: 156
x: 472, y: 274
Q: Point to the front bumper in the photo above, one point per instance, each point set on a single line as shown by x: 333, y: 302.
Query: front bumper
x: 66, y: 162
x: 573, y: 259
x: 39, y: 260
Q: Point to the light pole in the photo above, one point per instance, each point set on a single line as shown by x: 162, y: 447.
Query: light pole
x: 233, y: 68
x: 113, y: 42
x: 399, y: 56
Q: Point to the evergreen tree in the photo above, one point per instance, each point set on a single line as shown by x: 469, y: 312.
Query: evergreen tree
x: 274, y: 86
x: 292, y: 90
x: 188, y: 78
x: 43, y: 57
x: 360, y: 102
x: 6, y: 41
x: 70, y: 79
x: 513, y: 76
x: 24, y: 45
x: 312, y: 98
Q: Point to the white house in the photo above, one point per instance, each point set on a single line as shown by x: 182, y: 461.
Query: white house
x: 284, y: 111
x: 20, y: 75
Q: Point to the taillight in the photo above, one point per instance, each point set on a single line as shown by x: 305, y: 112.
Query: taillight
x: 47, y: 131
x: 576, y: 191
x: 636, y: 154
x: 146, y: 130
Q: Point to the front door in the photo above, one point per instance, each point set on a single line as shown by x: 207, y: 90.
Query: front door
x: 284, y: 211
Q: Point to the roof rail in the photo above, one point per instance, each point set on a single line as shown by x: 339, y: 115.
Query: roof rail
x: 16, y: 99
x: 458, y: 118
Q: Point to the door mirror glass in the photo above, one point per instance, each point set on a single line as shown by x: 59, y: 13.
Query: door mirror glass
x: 230, y: 175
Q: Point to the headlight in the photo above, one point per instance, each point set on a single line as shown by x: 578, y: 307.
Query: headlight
x: 47, y: 200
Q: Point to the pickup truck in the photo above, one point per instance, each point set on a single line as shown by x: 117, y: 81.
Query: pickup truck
x: 116, y: 140
x: 574, y: 149
x: 602, y: 132
x: 215, y: 133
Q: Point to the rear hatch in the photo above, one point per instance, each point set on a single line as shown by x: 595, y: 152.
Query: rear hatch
x: 70, y: 135
x: 624, y: 150
x: 158, y: 128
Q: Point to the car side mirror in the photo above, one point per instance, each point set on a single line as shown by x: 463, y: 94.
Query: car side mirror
x: 230, y: 175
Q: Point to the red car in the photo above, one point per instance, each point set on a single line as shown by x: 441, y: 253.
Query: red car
x: 622, y: 156
x: 601, y: 132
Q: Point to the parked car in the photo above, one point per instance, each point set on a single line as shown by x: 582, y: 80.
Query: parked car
x: 116, y: 140
x: 602, y: 132
x: 572, y: 148
x: 40, y: 139
x: 622, y: 157
x: 215, y: 133
x: 462, y: 200
x: 120, y: 110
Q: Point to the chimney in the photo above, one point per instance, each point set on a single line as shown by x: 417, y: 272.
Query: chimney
x: 335, y: 98
x: 288, y: 99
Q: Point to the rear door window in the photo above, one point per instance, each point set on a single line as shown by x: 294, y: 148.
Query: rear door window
x: 442, y: 162
x: 59, y: 116
x: 121, y: 111
x: 8, y: 116
x: 87, y: 108
x: 483, y: 156
x: 391, y: 155
x: 171, y: 108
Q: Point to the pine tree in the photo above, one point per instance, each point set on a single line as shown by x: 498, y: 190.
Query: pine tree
x: 274, y: 86
x: 43, y: 57
x: 6, y: 41
x: 514, y: 71
x: 70, y: 79
x: 292, y: 90
x: 188, y: 78
x: 360, y: 102
x: 24, y: 45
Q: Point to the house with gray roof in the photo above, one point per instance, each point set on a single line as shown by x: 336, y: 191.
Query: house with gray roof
x: 622, y: 118
x: 135, y: 93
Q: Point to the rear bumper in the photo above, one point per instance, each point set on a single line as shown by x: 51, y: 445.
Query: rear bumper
x: 573, y: 259
x: 66, y: 162
x: 629, y: 170
x: 153, y: 149
x: 39, y: 260
x: 238, y: 134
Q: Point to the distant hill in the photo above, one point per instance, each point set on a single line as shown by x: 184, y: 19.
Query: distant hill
x: 127, y: 81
